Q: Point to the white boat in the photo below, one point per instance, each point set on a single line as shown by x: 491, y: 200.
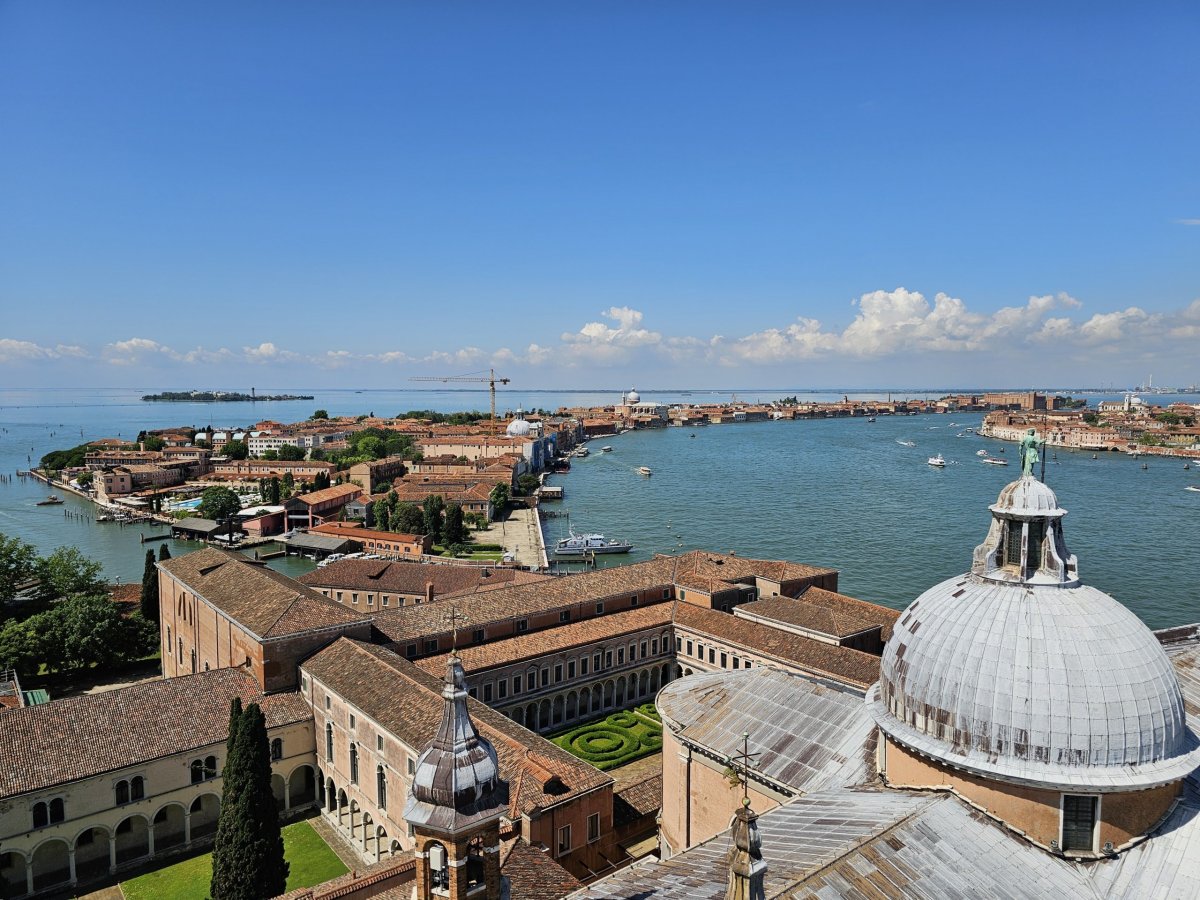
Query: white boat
x: 606, y: 449
x: 1193, y: 487
x: 994, y: 462
x: 981, y: 453
x: 906, y: 443
x: 644, y: 470
x: 938, y: 462
x: 581, y: 452
x: 582, y: 544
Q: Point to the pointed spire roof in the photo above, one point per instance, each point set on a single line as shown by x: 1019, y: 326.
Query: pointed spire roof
x: 456, y: 784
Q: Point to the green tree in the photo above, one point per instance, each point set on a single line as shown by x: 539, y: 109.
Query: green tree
x: 218, y: 502
x: 150, y: 588
x: 287, y: 487
x: 270, y: 455
x: 68, y: 573
x: 383, y: 515
x: 499, y: 496
x: 453, y: 530
x: 154, y: 442
x: 433, y: 510
x: 248, y: 861
x: 291, y: 453
x: 321, y: 481
x: 319, y: 414
x: 164, y: 553
x: 88, y: 631
x: 274, y: 492
x: 236, y: 450
x: 408, y: 519
x: 21, y: 646
x: 527, y: 484
x: 18, y: 564
x: 372, y: 447
x: 316, y: 453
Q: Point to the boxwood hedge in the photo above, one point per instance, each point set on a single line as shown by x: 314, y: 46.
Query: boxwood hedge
x: 614, y: 740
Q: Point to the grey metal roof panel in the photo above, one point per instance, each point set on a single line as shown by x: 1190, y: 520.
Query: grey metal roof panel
x: 317, y: 542
x: 811, y: 736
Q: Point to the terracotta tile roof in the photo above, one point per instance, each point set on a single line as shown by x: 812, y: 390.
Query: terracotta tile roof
x: 637, y: 800
x: 359, y: 533
x: 825, y: 611
x: 534, y: 875
x: 407, y: 702
x: 408, y: 623
x: 718, y: 571
x: 66, y: 740
x: 552, y: 640
x: 852, y: 667
x: 334, y: 492
x: 412, y: 577
x: 264, y: 602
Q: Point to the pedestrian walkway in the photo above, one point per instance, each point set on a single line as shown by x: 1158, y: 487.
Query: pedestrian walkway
x: 517, y: 534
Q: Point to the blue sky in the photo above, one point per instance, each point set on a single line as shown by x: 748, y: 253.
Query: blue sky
x: 669, y: 194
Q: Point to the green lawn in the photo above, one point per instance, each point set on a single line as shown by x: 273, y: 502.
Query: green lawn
x: 311, y: 860
x: 614, y: 740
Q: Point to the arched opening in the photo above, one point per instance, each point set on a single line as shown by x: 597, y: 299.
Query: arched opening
x: 643, y: 683
x: 557, y: 710
x: 572, y: 709
x: 439, y: 866
x: 544, y: 715
x: 395, y: 848
x: 169, y: 828
x: 279, y: 790
x: 341, y: 805
x: 91, y: 855
x: 51, y: 864
x: 302, y: 787
x: 204, y: 813
x: 380, y: 842
x: 133, y: 839
x: 654, y: 680
x: 531, y: 717
x: 368, y: 831
x: 354, y: 764
x: 12, y: 874
x: 609, y: 693
x: 687, y: 672
x: 354, y: 810
x: 666, y: 674
x: 330, y: 796
x: 620, y: 700
x: 585, y: 701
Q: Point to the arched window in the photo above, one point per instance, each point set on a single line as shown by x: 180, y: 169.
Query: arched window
x: 277, y: 749
x: 122, y: 792
x: 210, y: 768
x: 353, y: 764
x: 197, y: 768
x: 329, y: 741
x: 381, y: 787
x: 193, y: 662
x: 137, y: 788
x: 57, y: 813
x: 41, y: 815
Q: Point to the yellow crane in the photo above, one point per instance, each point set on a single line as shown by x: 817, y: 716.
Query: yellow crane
x: 489, y: 379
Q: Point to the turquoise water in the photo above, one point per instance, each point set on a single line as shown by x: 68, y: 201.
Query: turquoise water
x: 836, y: 492
x: 843, y: 493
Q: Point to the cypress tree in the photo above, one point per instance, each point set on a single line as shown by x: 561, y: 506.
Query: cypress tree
x: 164, y: 553
x: 248, y: 860
x: 150, y: 589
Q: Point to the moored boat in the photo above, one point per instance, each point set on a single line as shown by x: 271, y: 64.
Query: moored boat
x: 52, y: 500
x: 582, y: 544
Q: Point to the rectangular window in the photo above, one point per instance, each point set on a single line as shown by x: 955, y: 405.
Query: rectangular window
x: 339, y: 597
x: 545, y: 676
x: 642, y: 652
x: 473, y: 692
x: 600, y: 608
x: 516, y: 684
x: 737, y: 663
x: 699, y: 651
x: 558, y: 673
x: 1037, y: 533
x: 385, y: 599
x: 1079, y: 822
x: 564, y: 616
x: 749, y: 665
x: 477, y: 636
x: 633, y: 601
x: 1012, y: 549
x: 596, y: 662
x: 502, y: 688
x: 571, y: 669
x: 412, y: 766
x: 724, y: 661
x: 666, y: 593
x: 370, y: 599
x: 712, y: 656
x: 593, y: 827
x: 689, y: 647
x: 487, y: 693
x: 654, y: 647
x: 608, y: 659
x: 352, y: 720
x: 328, y: 702
x: 410, y: 651
x: 431, y: 646
x: 620, y: 656
x: 564, y: 840
x: 583, y: 665
x: 522, y: 625
x: 379, y: 742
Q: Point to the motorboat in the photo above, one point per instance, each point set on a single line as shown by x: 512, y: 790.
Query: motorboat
x: 938, y: 462
x: 981, y: 453
x: 581, y: 452
x: 1193, y: 487
x: 52, y: 500
x: 906, y: 443
x: 994, y: 462
x: 644, y: 470
x: 606, y: 449
x: 583, y: 544
x: 870, y: 418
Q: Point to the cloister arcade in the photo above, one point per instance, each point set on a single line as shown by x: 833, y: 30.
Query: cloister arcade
x: 97, y: 851
x: 578, y: 705
x: 356, y: 824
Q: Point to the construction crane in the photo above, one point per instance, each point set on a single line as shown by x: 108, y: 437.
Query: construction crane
x: 489, y: 379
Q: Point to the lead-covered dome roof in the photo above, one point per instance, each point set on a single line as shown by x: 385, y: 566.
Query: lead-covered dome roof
x: 1038, y: 683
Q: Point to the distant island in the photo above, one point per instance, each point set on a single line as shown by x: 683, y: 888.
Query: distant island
x: 219, y: 397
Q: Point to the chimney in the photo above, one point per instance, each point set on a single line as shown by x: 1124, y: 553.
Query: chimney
x: 747, y: 871
x: 429, y: 592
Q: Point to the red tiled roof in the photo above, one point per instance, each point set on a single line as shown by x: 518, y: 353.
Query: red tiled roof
x: 66, y: 740
x: 404, y: 577
x: 534, y: 875
x: 826, y: 612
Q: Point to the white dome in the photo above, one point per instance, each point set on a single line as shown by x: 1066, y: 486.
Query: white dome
x: 1017, y: 671
x: 633, y: 397
x: 517, y: 428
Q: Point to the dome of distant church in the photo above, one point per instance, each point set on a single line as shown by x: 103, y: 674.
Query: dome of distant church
x: 518, y: 427
x: 633, y: 397
x: 1017, y: 671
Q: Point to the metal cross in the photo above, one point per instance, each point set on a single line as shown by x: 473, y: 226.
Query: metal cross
x: 452, y: 618
x: 745, y: 759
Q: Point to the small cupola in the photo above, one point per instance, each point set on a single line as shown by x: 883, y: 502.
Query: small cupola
x: 1025, y: 542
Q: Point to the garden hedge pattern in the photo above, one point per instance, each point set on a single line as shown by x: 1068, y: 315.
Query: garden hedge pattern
x: 614, y: 740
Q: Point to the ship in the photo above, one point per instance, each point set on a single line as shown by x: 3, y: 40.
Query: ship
x: 583, y: 544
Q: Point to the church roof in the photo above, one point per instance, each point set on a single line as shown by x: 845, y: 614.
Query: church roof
x: 80, y: 737
x: 825, y: 612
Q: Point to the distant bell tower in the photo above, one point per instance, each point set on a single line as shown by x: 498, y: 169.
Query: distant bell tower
x: 455, y: 804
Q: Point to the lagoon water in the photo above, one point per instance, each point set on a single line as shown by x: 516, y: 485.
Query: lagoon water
x: 837, y: 492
